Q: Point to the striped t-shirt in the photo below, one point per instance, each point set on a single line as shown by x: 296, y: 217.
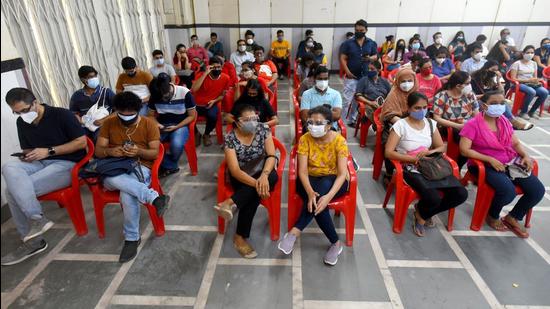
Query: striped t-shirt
x: 174, y: 111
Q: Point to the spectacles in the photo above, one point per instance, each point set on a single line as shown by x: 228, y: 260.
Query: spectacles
x: 251, y: 118
x: 317, y: 123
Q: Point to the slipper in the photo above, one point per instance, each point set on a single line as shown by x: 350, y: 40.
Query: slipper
x: 225, y: 212
x: 418, y: 228
x: 502, y: 228
x: 516, y: 229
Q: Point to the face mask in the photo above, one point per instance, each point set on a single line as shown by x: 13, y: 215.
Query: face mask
x: 248, y: 74
x: 466, y: 90
x: 419, y: 115
x: 280, y: 38
x: 321, y: 84
x: 528, y: 56
x: 426, y: 71
x: 242, y: 48
x: 400, y: 46
x: 29, y: 117
x: 495, y: 110
x: 439, y: 41
x: 372, y: 74
x: 440, y: 60
x: 547, y: 46
x: 316, y: 131
x: 249, y: 41
x: 216, y: 73
x: 159, y: 61
x: 132, y: 74
x: 92, y: 82
x: 416, y: 46
x: 477, y: 56
x: 127, y: 119
x: 406, y: 86
x: 359, y: 35
x: 460, y: 37
x: 249, y: 126
x: 309, y: 44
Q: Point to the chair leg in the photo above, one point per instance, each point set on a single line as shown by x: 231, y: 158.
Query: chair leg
x: 99, y: 220
x: 274, y: 220
x: 481, y: 207
x: 389, y: 191
x: 221, y: 225
x: 191, y: 153
x: 158, y: 222
x: 400, y: 212
x: 350, y: 224
x: 450, y: 219
x: 76, y: 213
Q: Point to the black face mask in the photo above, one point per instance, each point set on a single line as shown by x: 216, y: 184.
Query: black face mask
x: 132, y: 74
x: 359, y: 35
x: 216, y: 73
x: 400, y: 46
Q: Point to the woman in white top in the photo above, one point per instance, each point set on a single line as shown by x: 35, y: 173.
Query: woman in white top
x: 394, y: 58
x: 410, y: 139
x: 525, y: 72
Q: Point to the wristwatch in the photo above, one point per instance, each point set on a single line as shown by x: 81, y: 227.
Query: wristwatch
x: 51, y: 151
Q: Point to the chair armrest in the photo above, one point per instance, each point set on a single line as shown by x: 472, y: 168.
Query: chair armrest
x: 343, y: 128
x: 155, y: 183
x: 480, y: 170
x: 454, y: 166
x: 351, y: 170
x: 535, y: 167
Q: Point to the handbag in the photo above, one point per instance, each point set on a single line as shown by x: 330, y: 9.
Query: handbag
x: 97, y: 111
x: 434, y: 166
x: 110, y: 167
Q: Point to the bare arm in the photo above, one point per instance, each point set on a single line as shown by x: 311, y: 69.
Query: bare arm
x: 235, y: 170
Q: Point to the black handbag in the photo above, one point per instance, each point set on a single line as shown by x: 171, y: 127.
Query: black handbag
x: 434, y: 166
x: 109, y: 167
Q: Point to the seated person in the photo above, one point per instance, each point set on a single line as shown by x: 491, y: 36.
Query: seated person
x: 395, y: 106
x: 52, y: 141
x: 410, y: 139
x: 388, y: 45
x: 208, y: 89
x: 248, y: 73
x: 241, y: 55
x: 173, y: 108
x: 323, y: 176
x: 182, y: 66
x: 130, y: 135
x: 488, y: 137
x: 488, y: 78
x: 428, y: 83
x: 229, y: 69
x: 414, y: 49
x: 309, y: 82
x: 253, y: 95
x: 372, y: 87
x: 195, y: 50
x: 319, y: 95
x: 475, y: 61
x: 280, y: 53
x: 134, y: 80
x: 250, y: 43
x: 454, y: 105
x: 525, y: 72
x: 442, y: 65
x: 214, y: 47
x: 265, y: 68
x: 305, y: 46
x: 319, y: 56
x: 458, y: 45
x: 304, y: 66
x: 251, y: 161
x: 162, y: 67
x: 542, y: 55
x: 413, y: 64
x: 436, y: 47
x: 91, y: 94
x: 394, y: 58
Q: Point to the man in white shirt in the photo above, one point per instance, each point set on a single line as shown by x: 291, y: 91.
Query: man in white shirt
x: 241, y: 55
x: 475, y: 62
x: 162, y: 67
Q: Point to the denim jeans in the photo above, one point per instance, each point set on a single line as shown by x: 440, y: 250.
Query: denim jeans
x: 321, y: 185
x: 144, y: 110
x: 177, y: 138
x: 530, y: 93
x: 211, y: 115
x: 505, y: 192
x: 508, y: 112
x: 132, y: 193
x: 25, y: 181
x: 350, y: 85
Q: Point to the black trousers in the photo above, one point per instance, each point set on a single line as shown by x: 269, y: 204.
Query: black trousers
x: 282, y: 65
x: 247, y: 200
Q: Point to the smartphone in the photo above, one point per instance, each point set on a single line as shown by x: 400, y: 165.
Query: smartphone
x: 128, y: 144
x: 18, y: 154
x: 517, y: 162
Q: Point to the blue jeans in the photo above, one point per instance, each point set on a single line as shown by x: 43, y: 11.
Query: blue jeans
x: 505, y: 192
x: 132, y: 192
x: 321, y: 185
x: 508, y: 112
x: 530, y: 93
x: 211, y: 115
x: 25, y: 181
x: 177, y: 138
x: 144, y: 110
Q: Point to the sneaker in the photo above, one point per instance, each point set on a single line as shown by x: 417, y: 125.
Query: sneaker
x: 524, y: 116
x: 163, y: 172
x: 287, y: 243
x: 160, y: 203
x: 129, y: 251
x: 331, y: 257
x: 23, y: 252
x: 38, y: 227
x: 534, y: 116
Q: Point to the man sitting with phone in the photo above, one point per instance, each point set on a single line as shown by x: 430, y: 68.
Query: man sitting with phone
x: 52, y: 140
x: 132, y: 136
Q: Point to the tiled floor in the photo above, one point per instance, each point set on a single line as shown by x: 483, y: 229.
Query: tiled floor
x: 194, y: 267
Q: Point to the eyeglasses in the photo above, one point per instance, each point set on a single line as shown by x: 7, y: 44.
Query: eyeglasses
x: 317, y: 123
x: 250, y: 118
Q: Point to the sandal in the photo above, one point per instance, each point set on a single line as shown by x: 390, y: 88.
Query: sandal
x: 225, y: 211
x: 517, y: 229
x: 418, y: 228
x: 245, y: 250
x: 428, y: 222
x: 496, y: 224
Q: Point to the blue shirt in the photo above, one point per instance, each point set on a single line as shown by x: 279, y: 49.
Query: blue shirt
x: 445, y: 69
x: 174, y: 111
x: 312, y: 98
x: 81, y: 102
x: 354, y: 52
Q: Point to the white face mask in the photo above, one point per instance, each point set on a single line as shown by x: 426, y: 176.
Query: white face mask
x: 242, y: 48
x: 439, y: 40
x: 321, y: 84
x: 316, y: 131
x: 159, y: 61
x: 406, y: 86
x: 29, y: 117
x: 249, y: 41
x: 309, y: 44
x: 467, y: 89
x: 440, y: 60
x: 477, y: 56
x: 528, y: 56
x: 248, y: 74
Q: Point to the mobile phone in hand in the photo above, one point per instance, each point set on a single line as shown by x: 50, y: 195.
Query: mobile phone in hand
x: 18, y: 154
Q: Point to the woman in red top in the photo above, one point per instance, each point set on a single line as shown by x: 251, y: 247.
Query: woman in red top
x: 428, y: 83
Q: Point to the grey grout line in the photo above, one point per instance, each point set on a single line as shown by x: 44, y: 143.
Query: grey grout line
x: 191, y: 228
x: 208, y: 276
x: 44, y: 262
x: 476, y: 277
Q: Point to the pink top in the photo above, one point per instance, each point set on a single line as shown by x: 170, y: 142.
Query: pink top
x: 494, y: 144
x: 197, y: 52
x: 428, y: 87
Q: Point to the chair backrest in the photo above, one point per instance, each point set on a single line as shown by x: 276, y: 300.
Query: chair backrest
x: 90, y: 150
x: 546, y: 73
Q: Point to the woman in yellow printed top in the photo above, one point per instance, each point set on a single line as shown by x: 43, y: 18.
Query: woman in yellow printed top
x: 320, y: 57
x: 322, y: 169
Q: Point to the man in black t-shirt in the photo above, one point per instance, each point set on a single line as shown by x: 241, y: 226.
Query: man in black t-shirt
x: 52, y: 141
x: 253, y: 95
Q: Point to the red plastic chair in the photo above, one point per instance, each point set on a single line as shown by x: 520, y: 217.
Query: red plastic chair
x: 546, y: 74
x: 219, y: 124
x: 273, y: 204
x: 69, y: 197
x: 272, y: 100
x: 295, y: 78
x: 405, y: 195
x: 391, y: 75
x: 485, y: 194
x: 519, y: 95
x: 102, y: 197
x: 453, y: 150
x: 345, y: 203
x: 297, y: 121
x: 190, y: 149
x: 378, y: 157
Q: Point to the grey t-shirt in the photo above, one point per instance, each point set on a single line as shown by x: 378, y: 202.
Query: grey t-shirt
x: 166, y: 68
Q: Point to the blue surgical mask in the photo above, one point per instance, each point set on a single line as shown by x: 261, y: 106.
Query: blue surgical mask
x: 93, y: 82
x: 495, y: 110
x: 420, y: 114
x: 547, y: 46
x: 372, y: 74
x: 416, y: 46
